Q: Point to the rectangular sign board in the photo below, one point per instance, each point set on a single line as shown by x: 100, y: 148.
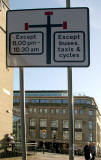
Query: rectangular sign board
x: 48, y: 38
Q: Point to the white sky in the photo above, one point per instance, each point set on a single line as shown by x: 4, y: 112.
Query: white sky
x: 85, y: 80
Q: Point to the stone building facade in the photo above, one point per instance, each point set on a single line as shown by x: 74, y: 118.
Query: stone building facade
x: 47, y: 119
x: 6, y: 78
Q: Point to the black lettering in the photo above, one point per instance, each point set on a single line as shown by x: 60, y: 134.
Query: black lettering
x: 17, y: 36
x: 59, y: 37
x: 78, y: 36
x: 78, y: 49
x: 14, y: 43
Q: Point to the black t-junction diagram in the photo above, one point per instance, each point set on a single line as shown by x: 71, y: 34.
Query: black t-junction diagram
x: 48, y: 27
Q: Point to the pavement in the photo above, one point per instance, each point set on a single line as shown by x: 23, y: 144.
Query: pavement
x: 47, y: 156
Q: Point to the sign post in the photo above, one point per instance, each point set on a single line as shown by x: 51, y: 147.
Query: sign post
x: 71, y: 108
x: 23, y: 121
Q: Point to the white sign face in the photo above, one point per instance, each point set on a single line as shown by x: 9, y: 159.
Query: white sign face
x: 48, y: 38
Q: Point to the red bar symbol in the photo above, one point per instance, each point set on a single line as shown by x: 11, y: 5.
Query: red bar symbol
x: 64, y: 25
x: 48, y: 13
x: 26, y: 26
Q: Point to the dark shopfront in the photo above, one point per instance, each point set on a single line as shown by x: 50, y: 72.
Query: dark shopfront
x: 54, y: 147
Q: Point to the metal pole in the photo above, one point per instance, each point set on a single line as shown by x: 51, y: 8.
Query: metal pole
x: 71, y: 115
x: 23, y: 121
x: 71, y: 109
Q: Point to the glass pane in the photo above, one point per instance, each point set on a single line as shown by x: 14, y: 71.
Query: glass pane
x: 32, y: 133
x: 57, y: 111
x: 41, y: 110
x: 65, y: 124
x: 45, y: 110
x: 56, y: 101
x: 34, y: 110
x: 54, y: 134
x: 91, y: 113
x: 44, y: 101
x: 65, y: 101
x: 81, y: 111
x: 43, y: 123
x: 77, y: 101
x: 78, y: 123
x: 54, y: 123
x: 26, y: 100
x: 65, y: 135
x: 76, y: 111
x: 64, y: 111
x: 90, y: 124
x: 35, y: 101
x: 90, y: 137
x: 52, y: 111
x: 78, y: 136
x: 32, y: 122
x: 16, y: 100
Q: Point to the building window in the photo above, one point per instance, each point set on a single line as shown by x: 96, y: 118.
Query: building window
x: 78, y: 123
x: 81, y: 111
x: 26, y: 100
x: 32, y: 122
x: 54, y: 134
x: 65, y: 101
x: 16, y: 94
x: 89, y: 102
x: 45, y: 110
x: 32, y: 132
x: 90, y: 136
x: 57, y: 111
x: 83, y: 101
x: 43, y: 123
x: 35, y: 101
x: 34, y: 110
x: 56, y: 101
x: 90, y: 124
x: 78, y: 136
x: 75, y: 111
x: 65, y: 135
x: 30, y: 110
x: 54, y: 123
x: 91, y: 113
x: 64, y: 111
x: 44, y: 101
x: 43, y: 134
x: 65, y: 124
x: 40, y: 110
x: 52, y: 111
x: 16, y: 100
x: 77, y: 101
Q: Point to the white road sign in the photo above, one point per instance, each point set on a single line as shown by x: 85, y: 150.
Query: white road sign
x: 48, y: 37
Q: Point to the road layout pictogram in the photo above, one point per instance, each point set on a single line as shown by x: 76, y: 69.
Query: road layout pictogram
x: 48, y: 32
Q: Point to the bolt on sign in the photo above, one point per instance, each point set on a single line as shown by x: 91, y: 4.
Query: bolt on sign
x: 48, y: 38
